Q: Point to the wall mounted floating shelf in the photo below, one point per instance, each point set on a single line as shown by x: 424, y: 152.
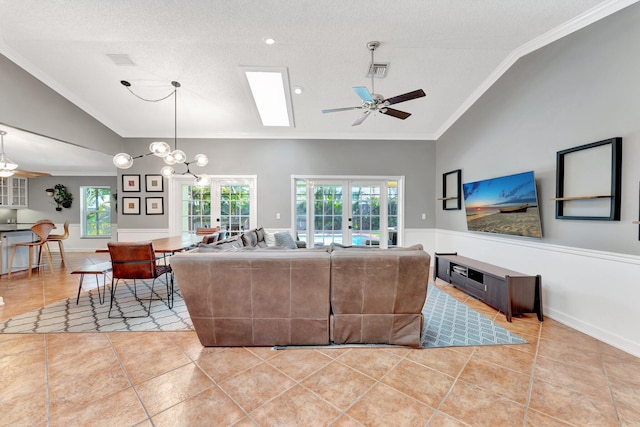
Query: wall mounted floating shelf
x: 588, y: 181
x: 451, y: 185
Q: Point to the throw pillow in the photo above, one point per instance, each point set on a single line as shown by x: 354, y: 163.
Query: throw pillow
x: 270, y: 238
x: 285, y: 239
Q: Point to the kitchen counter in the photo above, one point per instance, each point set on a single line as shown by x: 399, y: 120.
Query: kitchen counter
x: 15, y: 227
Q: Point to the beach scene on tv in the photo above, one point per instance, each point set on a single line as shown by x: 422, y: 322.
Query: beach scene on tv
x: 504, y: 205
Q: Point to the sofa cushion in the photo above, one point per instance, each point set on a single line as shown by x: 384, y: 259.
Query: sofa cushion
x: 270, y: 238
x: 249, y: 238
x: 285, y: 239
x: 260, y: 233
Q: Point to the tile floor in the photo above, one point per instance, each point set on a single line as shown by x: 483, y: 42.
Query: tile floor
x: 562, y: 378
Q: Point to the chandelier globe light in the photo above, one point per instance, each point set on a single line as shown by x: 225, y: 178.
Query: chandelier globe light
x: 7, y: 167
x: 162, y: 149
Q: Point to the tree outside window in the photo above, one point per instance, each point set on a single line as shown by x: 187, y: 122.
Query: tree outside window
x: 96, y: 211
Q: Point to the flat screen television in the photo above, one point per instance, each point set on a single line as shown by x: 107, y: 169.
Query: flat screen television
x: 503, y: 205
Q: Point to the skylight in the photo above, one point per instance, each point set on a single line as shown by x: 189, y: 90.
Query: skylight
x: 270, y: 90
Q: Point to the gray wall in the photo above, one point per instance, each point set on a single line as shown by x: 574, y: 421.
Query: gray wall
x: 581, y: 89
x: 274, y: 161
x: 42, y: 206
x: 27, y: 103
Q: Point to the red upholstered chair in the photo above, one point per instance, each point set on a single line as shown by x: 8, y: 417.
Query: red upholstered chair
x: 137, y: 260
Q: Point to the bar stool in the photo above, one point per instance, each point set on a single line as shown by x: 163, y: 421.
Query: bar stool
x: 42, y: 230
x: 59, y: 238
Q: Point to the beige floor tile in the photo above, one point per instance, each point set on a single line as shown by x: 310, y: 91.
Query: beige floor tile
x: 479, y: 407
x: 538, y: 419
x: 511, y: 384
x: 121, y: 408
x: 577, y: 378
x: 338, y: 384
x: 27, y: 409
x: 295, y: 407
x: 225, y: 362
x: 371, y: 362
x: 424, y: 384
x: 148, y: 355
x: 299, y: 364
x: 384, y: 406
x: 515, y: 357
x: 208, y: 408
x: 166, y: 390
x: 444, y: 360
x: 255, y: 386
x: 443, y: 420
x: 627, y: 400
x: 572, y: 406
x: 346, y: 421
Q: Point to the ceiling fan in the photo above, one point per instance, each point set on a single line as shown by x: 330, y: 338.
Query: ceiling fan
x: 9, y: 168
x: 373, y: 102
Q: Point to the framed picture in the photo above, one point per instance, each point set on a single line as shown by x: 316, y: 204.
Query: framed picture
x: 451, y: 183
x: 131, y: 206
x: 155, y: 205
x: 153, y: 183
x: 588, y: 181
x: 130, y: 183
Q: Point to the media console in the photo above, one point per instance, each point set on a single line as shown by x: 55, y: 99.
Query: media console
x: 510, y: 292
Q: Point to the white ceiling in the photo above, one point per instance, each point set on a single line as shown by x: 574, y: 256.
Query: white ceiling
x: 452, y: 49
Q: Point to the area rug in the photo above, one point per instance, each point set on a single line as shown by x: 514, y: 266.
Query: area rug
x: 91, y: 316
x: 447, y: 322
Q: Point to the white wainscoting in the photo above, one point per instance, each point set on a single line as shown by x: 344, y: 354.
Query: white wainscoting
x: 75, y: 244
x: 139, y: 235
x: 595, y: 292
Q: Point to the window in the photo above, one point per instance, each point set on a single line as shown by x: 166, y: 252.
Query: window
x: 96, y: 211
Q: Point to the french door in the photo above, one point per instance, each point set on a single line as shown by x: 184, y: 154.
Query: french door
x: 362, y: 212
x: 229, y: 203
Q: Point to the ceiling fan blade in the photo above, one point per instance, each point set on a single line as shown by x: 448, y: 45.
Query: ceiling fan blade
x: 29, y: 174
x: 364, y: 94
x: 405, y: 97
x: 395, y: 113
x: 333, y: 110
x: 362, y: 118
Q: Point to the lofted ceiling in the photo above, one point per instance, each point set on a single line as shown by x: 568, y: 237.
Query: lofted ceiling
x: 452, y: 49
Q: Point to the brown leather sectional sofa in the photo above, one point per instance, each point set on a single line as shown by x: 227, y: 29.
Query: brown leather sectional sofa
x: 255, y: 296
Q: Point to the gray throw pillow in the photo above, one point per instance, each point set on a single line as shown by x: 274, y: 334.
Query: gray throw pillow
x: 286, y: 240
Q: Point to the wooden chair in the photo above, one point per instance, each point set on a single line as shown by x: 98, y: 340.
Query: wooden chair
x: 137, y: 260
x: 42, y: 230
x: 59, y: 238
x: 202, y: 231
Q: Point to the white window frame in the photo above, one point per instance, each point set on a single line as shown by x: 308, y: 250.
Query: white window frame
x: 84, y: 212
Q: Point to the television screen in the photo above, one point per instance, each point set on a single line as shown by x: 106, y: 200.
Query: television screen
x: 504, y: 205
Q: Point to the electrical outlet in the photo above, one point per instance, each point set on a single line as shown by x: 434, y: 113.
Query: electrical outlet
x: 277, y: 215
x: 424, y: 216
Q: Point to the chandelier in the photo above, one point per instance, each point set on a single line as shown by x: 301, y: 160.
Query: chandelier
x: 162, y: 149
x: 7, y: 167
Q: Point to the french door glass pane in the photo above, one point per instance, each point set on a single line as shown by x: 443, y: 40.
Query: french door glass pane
x: 235, y: 208
x: 196, y: 207
x: 392, y: 212
x: 327, y: 221
x: 365, y: 206
x: 301, y: 210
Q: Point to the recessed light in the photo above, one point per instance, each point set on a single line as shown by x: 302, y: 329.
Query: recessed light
x: 298, y: 90
x: 269, y: 40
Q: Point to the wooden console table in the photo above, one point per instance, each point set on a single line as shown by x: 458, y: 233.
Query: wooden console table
x: 510, y: 292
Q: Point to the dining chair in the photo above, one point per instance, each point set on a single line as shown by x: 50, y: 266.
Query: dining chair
x: 59, y: 238
x: 41, y: 230
x: 201, y: 231
x: 133, y: 261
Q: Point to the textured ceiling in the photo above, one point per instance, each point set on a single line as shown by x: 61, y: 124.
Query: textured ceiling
x: 452, y: 49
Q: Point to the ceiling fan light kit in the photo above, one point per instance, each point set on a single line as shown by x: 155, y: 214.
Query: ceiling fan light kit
x: 376, y: 103
x: 162, y: 149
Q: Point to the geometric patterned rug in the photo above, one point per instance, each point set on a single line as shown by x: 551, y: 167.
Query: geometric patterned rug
x: 91, y: 316
x: 447, y: 322
x: 450, y: 323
